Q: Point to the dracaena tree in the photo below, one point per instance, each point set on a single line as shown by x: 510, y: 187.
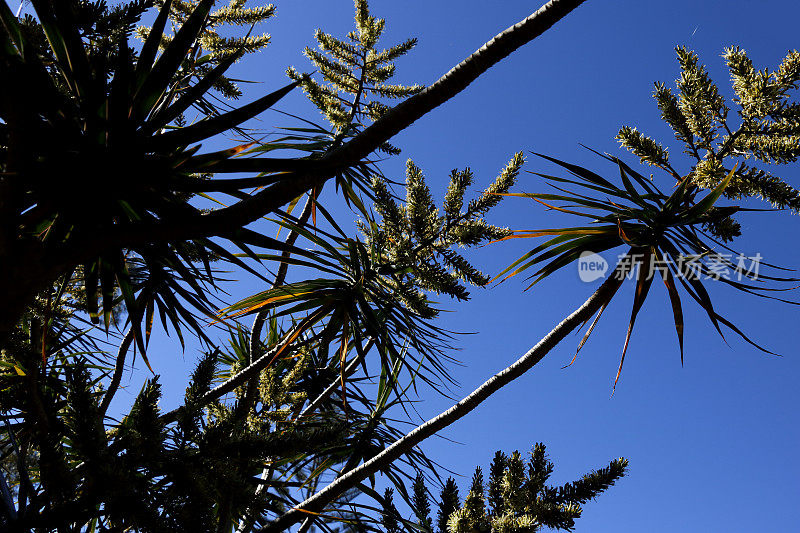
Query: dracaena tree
x: 104, y: 238
x: 682, y: 238
x: 278, y: 426
x: 674, y: 237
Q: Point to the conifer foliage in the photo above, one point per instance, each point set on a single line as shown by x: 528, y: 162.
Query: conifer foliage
x: 355, y: 74
x: 215, y: 42
x: 519, y: 500
x: 765, y: 129
x: 516, y: 498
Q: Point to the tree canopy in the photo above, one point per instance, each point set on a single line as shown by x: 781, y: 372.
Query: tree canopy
x: 116, y: 221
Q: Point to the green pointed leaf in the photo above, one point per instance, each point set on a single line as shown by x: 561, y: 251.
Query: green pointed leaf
x: 150, y: 47
x: 209, y: 127
x: 157, y: 80
x: 677, y: 311
x: 702, y: 207
x: 643, y: 283
x: 190, y: 96
x: 581, y: 172
x: 11, y: 25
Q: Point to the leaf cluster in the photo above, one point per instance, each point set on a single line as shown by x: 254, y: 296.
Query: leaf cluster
x: 213, y: 45
x: 516, y: 498
x: 416, y: 240
x: 355, y: 74
x: 76, y: 116
x: 105, y: 196
x: 765, y: 130
x: 663, y: 234
x: 195, y: 470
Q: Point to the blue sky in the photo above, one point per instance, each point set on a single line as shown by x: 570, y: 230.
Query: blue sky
x: 712, y: 446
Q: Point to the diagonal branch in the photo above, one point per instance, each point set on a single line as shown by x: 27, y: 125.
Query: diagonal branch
x: 456, y: 80
x: 251, y: 371
x: 320, y: 500
x: 395, y: 120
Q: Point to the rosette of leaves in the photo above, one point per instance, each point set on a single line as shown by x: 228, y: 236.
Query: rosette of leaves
x: 91, y: 157
x: 377, y: 289
x: 664, y: 235
x: 354, y: 305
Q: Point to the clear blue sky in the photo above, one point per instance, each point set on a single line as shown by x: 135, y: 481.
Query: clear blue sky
x: 713, y: 445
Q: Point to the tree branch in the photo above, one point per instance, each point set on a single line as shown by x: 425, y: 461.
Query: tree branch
x: 320, y: 500
x: 247, y: 373
x: 456, y: 80
x: 118, y: 369
x: 395, y: 120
